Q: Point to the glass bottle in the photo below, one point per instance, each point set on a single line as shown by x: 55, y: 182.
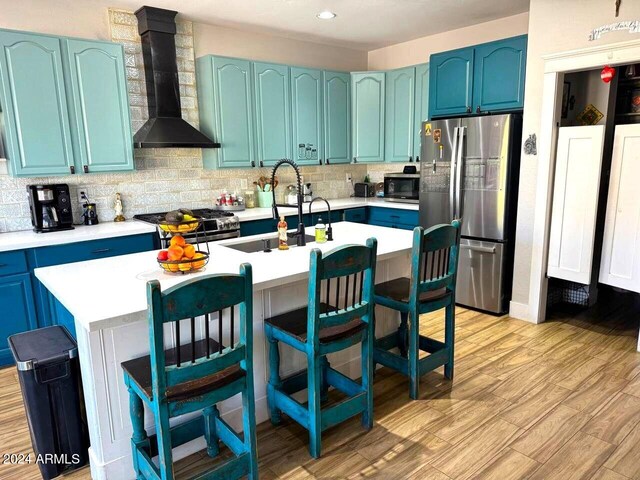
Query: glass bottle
x: 321, y: 232
x: 282, y: 234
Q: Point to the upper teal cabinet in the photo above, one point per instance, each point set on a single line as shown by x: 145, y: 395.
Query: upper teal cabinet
x: 451, y: 82
x: 100, y: 106
x: 35, y: 120
x: 273, y: 112
x: 337, y: 117
x: 400, y: 115
x: 226, y: 111
x: 480, y: 79
x: 306, y: 115
x: 367, y: 110
x: 499, y: 75
x: 64, y: 105
x: 421, y: 110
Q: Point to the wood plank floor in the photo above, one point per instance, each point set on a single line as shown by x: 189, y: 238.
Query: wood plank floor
x: 560, y: 400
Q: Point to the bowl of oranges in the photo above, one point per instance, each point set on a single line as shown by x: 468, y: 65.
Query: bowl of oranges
x: 181, y: 257
x: 180, y: 221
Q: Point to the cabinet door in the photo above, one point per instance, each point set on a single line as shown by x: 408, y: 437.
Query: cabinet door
x: 337, y: 117
x: 273, y: 112
x: 620, y: 265
x: 399, y: 119
x: 100, y: 110
x: 422, y: 106
x: 306, y: 115
x: 451, y: 82
x: 18, y: 311
x: 226, y: 111
x: 34, y: 105
x: 499, y: 71
x: 367, y: 109
x: 575, y: 203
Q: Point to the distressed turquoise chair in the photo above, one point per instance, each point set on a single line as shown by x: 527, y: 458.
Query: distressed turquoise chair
x: 343, y: 319
x: 431, y: 286
x: 195, y: 376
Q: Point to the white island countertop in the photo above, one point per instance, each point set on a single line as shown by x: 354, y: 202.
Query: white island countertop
x: 119, y: 283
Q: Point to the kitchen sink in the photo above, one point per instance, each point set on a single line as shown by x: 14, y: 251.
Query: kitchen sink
x: 259, y: 245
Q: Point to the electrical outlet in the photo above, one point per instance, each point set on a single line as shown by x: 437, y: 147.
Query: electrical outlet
x: 349, y: 178
x: 81, y: 191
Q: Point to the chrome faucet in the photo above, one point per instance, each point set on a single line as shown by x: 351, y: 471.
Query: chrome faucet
x: 329, y: 229
x: 299, y: 233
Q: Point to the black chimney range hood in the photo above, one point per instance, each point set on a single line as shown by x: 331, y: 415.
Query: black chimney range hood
x: 165, y: 127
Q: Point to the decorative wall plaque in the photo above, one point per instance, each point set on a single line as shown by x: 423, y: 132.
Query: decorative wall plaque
x: 632, y: 25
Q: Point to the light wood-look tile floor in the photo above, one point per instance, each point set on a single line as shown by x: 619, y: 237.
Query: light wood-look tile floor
x: 559, y: 400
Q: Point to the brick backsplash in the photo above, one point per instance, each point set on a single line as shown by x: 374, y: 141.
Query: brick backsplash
x: 170, y: 178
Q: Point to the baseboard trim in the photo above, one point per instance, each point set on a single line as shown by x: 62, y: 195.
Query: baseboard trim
x: 520, y: 311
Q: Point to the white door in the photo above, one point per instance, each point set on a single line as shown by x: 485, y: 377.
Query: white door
x: 575, y: 203
x: 620, y: 265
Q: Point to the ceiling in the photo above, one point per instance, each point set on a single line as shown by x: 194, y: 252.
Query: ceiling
x: 360, y: 24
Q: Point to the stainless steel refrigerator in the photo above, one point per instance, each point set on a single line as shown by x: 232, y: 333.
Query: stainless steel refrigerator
x: 470, y: 170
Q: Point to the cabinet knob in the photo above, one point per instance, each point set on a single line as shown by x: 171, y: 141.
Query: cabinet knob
x: 355, y: 160
x: 72, y: 169
x: 261, y: 163
x: 410, y: 159
x: 326, y: 161
x: 468, y: 109
x: 253, y: 163
x: 478, y: 109
x: 417, y: 159
x: 320, y: 161
x: 85, y: 168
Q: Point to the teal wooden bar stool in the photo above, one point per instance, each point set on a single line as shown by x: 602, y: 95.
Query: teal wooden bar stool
x: 431, y: 286
x: 343, y: 319
x: 195, y: 376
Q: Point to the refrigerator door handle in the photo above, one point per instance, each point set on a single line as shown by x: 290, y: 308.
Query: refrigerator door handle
x: 459, y: 161
x: 472, y: 248
x: 452, y: 175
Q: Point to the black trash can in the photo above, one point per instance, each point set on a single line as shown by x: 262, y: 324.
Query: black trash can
x: 49, y: 373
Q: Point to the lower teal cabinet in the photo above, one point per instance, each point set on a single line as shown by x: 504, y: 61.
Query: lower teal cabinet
x: 356, y: 215
x: 367, y: 113
x: 18, y: 311
x: 393, y: 217
x: 306, y: 115
x: 337, y: 117
x: 102, y: 123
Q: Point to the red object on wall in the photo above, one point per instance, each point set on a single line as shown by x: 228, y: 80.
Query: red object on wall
x: 607, y: 74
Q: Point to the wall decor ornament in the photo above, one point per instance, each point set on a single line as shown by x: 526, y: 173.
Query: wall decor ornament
x: 590, y: 115
x: 530, y: 145
x: 633, y: 26
x: 607, y: 74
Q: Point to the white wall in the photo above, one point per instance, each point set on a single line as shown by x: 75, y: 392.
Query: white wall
x: 554, y: 26
x: 419, y: 50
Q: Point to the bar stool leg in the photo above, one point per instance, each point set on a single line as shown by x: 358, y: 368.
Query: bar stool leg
x: 367, y: 377
x: 249, y: 427
x: 163, y: 433
x: 274, y: 377
x: 324, y: 392
x: 211, y: 436
x: 414, y: 353
x: 449, y: 338
x: 139, y: 437
x: 314, y: 373
x: 402, y: 334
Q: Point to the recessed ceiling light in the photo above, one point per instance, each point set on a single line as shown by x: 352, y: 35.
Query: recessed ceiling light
x: 326, y: 15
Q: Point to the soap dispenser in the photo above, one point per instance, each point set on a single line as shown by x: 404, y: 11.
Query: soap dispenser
x: 321, y: 232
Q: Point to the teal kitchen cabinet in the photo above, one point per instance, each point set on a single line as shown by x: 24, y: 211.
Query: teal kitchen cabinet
x: 367, y: 110
x: 356, y: 215
x: 393, y: 217
x: 65, y: 105
x: 499, y: 75
x: 18, y: 311
x: 306, y: 115
x: 337, y: 117
x: 225, y: 98
x: 273, y: 112
x: 100, y: 113
x: 400, y: 116
x: 451, y: 82
x: 421, y: 109
x: 35, y: 119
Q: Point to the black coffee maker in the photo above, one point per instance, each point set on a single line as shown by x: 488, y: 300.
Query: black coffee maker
x: 50, y: 207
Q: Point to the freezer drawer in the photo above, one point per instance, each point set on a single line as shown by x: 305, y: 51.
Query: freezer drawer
x: 480, y: 275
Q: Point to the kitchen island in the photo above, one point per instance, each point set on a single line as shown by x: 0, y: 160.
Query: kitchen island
x: 112, y: 327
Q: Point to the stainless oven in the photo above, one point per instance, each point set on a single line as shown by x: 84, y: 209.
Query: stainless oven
x: 402, y: 187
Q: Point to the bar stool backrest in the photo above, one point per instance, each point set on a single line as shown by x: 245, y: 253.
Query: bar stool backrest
x: 349, y: 266
x: 195, y: 301
x: 435, y: 257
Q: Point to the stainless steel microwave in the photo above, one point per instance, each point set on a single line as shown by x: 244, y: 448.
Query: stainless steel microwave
x: 402, y: 187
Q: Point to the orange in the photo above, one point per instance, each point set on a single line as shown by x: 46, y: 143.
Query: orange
x: 189, y: 250
x: 175, y: 252
x: 198, y: 265
x: 178, y: 240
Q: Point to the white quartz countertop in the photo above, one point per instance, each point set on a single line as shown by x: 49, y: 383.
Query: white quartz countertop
x: 30, y: 239
x: 119, y: 283
x: 319, y: 206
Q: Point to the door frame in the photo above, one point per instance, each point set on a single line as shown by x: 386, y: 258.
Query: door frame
x: 555, y: 67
